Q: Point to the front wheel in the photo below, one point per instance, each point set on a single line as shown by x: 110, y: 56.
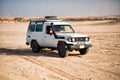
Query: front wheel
x: 35, y: 47
x: 84, y: 51
x: 62, y: 49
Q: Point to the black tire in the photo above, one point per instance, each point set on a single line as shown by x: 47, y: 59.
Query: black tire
x: 35, y: 47
x: 62, y: 49
x: 84, y: 51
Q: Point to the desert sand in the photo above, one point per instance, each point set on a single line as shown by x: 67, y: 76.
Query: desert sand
x: 18, y: 62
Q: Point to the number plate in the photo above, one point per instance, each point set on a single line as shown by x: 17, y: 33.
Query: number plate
x: 80, y: 42
x: 82, y: 46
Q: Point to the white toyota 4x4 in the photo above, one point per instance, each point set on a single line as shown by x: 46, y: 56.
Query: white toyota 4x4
x: 56, y: 34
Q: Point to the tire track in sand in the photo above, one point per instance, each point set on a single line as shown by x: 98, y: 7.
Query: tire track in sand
x: 51, y: 68
x: 96, y: 68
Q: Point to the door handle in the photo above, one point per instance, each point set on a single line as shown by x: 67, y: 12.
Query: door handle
x: 28, y: 36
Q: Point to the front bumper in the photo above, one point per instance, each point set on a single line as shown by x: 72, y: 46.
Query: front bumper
x: 81, y: 46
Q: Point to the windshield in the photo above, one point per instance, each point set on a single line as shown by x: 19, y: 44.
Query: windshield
x: 63, y: 29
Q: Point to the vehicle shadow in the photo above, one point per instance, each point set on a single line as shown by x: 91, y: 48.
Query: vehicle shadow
x: 28, y: 52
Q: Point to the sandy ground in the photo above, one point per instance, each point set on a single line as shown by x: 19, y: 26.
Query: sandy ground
x: 17, y: 62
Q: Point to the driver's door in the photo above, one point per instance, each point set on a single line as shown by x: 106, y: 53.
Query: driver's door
x: 49, y: 38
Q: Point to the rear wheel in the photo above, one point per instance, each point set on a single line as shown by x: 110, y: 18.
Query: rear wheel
x: 84, y: 51
x: 35, y: 47
x: 62, y: 49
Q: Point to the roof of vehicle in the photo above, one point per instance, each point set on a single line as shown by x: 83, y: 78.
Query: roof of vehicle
x: 59, y: 23
x: 55, y: 22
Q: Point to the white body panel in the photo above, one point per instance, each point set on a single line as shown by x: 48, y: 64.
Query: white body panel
x: 47, y: 40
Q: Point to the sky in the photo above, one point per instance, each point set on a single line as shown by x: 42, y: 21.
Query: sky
x: 36, y: 8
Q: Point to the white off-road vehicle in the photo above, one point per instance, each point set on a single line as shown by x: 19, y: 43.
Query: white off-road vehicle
x: 55, y: 34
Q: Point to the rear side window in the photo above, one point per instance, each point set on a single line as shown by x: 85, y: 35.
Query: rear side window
x: 31, y: 28
x: 39, y: 27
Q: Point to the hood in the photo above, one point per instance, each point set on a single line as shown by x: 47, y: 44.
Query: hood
x: 66, y: 35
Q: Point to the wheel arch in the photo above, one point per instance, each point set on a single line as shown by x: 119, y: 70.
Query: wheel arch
x: 60, y: 42
x: 33, y: 41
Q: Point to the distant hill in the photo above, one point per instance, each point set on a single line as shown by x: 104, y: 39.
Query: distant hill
x: 90, y: 18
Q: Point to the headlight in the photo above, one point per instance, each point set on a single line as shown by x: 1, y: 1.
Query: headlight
x: 70, y: 39
x: 73, y: 39
x: 87, y: 39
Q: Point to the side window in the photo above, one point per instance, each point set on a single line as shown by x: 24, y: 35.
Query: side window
x: 48, y: 29
x: 31, y: 28
x: 39, y: 27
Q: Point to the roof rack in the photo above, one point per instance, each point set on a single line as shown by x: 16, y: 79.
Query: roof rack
x: 51, y: 18
x: 47, y: 19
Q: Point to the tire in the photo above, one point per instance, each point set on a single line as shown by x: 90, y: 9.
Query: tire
x: 62, y: 49
x: 84, y: 51
x: 35, y: 47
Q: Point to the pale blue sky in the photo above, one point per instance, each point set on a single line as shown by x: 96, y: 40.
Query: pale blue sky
x: 36, y: 8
